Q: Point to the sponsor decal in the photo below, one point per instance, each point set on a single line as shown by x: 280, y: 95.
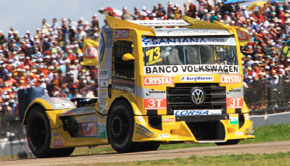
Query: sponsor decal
x: 103, y: 74
x: 234, y: 119
x: 168, y: 120
x: 239, y: 133
x: 130, y: 89
x: 160, y: 104
x: 235, y: 102
x: 55, y: 134
x: 231, y: 79
x: 122, y: 34
x: 57, y: 100
x: 164, y: 136
x: 237, y: 92
x: 152, y: 56
x: 196, y: 112
x: 62, y: 105
x: 105, y: 42
x: 88, y: 128
x: 103, y: 83
x: 102, y: 102
x: 190, y: 69
x: 153, y: 81
x: 151, y: 93
x: 193, y: 32
x: 58, y: 142
x: 109, y: 38
x: 247, y: 117
x: 103, y: 109
x: 102, y: 47
x: 104, y: 95
x: 167, y: 41
x: 123, y: 84
x: 101, y: 130
x: 196, y: 78
x: 117, y: 80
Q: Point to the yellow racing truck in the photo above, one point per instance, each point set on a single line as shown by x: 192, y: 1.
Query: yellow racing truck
x: 159, y: 81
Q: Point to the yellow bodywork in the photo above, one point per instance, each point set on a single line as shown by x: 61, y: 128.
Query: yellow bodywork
x: 172, y: 130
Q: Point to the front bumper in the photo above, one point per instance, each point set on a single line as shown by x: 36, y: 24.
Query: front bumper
x: 202, y: 118
x: 210, y: 128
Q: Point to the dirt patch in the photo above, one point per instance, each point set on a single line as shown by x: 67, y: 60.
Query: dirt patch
x: 254, y: 148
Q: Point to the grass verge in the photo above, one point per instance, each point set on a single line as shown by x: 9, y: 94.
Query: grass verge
x: 263, y: 134
x: 223, y: 160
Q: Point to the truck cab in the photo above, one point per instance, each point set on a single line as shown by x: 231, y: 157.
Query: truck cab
x: 158, y: 82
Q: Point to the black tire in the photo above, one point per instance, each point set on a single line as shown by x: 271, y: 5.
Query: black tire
x: 229, y: 142
x: 146, y: 146
x: 120, y: 130
x: 38, y: 132
x: 63, y: 152
x: 39, y: 135
x: 120, y: 127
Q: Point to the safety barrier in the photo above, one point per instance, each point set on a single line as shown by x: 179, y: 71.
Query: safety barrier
x: 262, y: 96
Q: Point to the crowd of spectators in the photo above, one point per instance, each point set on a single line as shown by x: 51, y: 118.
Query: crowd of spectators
x: 51, y: 56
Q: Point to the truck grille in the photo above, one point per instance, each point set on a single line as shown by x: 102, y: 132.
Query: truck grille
x: 179, y: 97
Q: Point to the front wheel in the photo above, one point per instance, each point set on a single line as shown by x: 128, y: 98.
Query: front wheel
x: 62, y: 152
x: 146, y: 146
x: 39, y: 135
x: 120, y: 127
x: 229, y: 142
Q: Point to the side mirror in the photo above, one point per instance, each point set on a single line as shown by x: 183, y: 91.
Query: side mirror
x: 128, y: 57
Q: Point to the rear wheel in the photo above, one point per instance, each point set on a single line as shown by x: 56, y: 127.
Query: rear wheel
x: 39, y: 135
x: 229, y: 142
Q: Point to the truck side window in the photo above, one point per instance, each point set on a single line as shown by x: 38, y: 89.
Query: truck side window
x: 122, y: 68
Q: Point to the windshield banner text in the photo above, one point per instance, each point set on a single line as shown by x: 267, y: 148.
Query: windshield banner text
x: 169, y: 41
x: 192, y: 69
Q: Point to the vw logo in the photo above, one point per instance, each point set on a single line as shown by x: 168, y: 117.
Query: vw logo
x: 197, y: 96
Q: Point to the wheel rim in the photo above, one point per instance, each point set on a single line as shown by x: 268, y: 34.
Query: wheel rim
x: 120, y: 127
x: 37, y: 132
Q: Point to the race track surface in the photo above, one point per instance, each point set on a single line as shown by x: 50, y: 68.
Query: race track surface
x: 254, y: 148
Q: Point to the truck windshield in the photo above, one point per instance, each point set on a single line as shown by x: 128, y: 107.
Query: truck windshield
x: 189, y: 51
